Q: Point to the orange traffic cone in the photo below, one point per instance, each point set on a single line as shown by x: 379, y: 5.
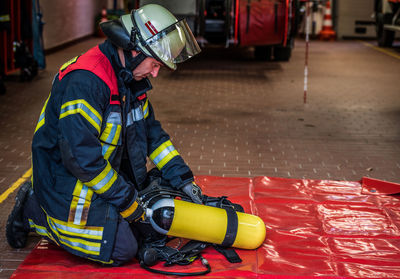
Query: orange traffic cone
x: 327, y: 32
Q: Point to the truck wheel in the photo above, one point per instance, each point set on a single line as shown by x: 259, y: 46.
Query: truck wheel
x: 263, y: 53
x: 385, y: 37
x: 282, y: 53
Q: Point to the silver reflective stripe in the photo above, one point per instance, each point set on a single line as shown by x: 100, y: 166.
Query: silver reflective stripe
x: 104, y: 181
x: 39, y: 229
x: 111, y: 136
x: 163, y: 153
x: 146, y: 109
x: 80, y: 205
x: 135, y: 115
x: 114, y: 118
x: 96, y: 234
x: 82, y: 106
x: 104, y: 148
x: 41, y: 117
x: 72, y: 242
x: 4, y: 18
x: 112, y: 132
x: 81, y: 245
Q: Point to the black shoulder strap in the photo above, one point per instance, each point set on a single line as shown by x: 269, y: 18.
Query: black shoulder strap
x: 229, y: 253
x: 232, y: 227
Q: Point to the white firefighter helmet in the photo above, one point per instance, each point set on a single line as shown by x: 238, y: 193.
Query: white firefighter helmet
x: 156, y: 32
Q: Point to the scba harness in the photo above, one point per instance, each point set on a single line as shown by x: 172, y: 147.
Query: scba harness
x: 156, y: 247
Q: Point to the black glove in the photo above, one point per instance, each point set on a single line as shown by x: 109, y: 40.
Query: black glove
x: 134, y: 212
x: 193, y: 191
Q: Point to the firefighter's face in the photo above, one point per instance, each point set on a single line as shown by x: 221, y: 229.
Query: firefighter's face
x: 149, y: 66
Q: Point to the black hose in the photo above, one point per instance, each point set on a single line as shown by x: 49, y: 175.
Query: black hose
x: 197, y: 273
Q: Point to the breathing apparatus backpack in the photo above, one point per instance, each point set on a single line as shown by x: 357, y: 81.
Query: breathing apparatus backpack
x: 155, y: 245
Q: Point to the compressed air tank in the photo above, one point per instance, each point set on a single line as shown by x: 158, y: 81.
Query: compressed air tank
x: 206, y: 223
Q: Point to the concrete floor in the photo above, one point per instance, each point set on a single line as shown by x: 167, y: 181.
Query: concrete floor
x: 229, y: 115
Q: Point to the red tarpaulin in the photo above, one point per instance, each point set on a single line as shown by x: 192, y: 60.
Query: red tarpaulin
x: 315, y: 228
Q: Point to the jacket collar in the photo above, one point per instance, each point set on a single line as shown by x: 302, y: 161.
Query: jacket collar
x: 137, y: 87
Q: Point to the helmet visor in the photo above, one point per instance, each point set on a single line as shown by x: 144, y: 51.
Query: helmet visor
x: 174, y: 44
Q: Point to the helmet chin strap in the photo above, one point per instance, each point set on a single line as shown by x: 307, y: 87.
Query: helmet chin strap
x: 132, y: 62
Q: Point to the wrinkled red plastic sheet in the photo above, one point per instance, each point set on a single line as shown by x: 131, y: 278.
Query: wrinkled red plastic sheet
x: 324, y: 229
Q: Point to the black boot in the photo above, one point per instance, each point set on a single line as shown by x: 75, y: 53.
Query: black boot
x: 16, y: 231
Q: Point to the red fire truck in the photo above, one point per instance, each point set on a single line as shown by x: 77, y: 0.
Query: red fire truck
x: 387, y: 16
x: 267, y: 25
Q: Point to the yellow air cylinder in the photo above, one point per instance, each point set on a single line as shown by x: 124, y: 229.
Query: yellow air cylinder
x: 206, y: 223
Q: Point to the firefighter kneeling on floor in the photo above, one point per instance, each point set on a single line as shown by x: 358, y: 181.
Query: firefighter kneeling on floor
x: 93, y: 137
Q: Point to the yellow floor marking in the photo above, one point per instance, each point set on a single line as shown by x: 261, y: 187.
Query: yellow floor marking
x: 16, y: 184
x: 386, y: 51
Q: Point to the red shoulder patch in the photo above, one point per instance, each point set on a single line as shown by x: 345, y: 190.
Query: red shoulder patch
x: 141, y: 97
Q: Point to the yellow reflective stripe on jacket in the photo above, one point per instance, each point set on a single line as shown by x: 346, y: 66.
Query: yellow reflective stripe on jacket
x: 112, y: 130
x: 82, y: 195
x: 4, y: 18
x: 89, y: 232
x: 79, y: 244
x: 69, y: 62
x: 80, y: 204
x: 42, y: 115
x: 75, y: 201
x: 85, y: 109
x: 107, y: 150
x: 87, y: 247
x: 40, y: 230
x: 97, y: 260
x: 128, y: 212
x: 102, y: 182
x: 111, y: 135
x: 146, y: 109
x: 163, y: 154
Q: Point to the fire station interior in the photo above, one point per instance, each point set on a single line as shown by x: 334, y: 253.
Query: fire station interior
x: 324, y: 112
x: 216, y: 24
